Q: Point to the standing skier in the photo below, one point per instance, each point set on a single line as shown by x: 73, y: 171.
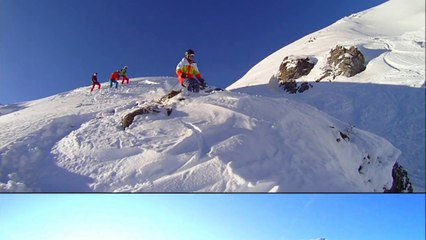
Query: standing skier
x: 123, y: 74
x: 186, y: 70
x: 115, y: 76
x: 95, y: 82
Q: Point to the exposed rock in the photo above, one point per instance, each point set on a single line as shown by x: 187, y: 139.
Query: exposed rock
x: 128, y: 119
x: 401, y: 181
x: 293, y: 87
x: 168, y: 96
x: 344, y: 136
x: 293, y: 68
x: 343, y: 62
x: 155, y: 107
x: 312, y: 39
x: 304, y: 86
x: 290, y: 87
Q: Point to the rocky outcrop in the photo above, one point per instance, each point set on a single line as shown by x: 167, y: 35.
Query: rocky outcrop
x: 343, y: 62
x: 291, y: 69
x: 401, y: 181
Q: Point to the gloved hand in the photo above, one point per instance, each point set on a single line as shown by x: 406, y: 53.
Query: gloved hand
x: 202, y: 83
x: 183, y: 75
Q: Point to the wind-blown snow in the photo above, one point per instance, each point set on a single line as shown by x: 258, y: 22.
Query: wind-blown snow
x: 387, y: 99
x: 337, y: 137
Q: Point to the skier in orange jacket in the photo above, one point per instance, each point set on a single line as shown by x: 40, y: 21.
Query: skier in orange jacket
x: 186, y: 70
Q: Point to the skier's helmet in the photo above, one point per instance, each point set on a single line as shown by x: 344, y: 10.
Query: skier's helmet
x: 189, y: 52
x: 125, y: 67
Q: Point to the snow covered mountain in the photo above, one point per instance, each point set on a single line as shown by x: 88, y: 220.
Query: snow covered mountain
x: 254, y: 137
x: 387, y: 98
x: 222, y: 141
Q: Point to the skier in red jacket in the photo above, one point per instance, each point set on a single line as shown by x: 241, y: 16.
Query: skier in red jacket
x: 95, y: 82
x: 115, y: 76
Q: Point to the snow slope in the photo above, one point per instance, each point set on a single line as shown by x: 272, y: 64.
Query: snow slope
x: 222, y: 141
x: 387, y: 99
x: 252, y: 138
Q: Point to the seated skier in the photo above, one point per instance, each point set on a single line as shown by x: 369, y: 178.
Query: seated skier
x: 186, y: 70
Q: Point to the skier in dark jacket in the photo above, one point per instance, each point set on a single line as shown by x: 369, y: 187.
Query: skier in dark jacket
x: 95, y: 82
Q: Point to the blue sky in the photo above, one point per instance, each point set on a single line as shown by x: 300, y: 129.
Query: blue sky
x: 50, y: 46
x: 212, y: 216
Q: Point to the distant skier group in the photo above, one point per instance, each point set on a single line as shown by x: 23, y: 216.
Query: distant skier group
x: 115, y: 76
x: 187, y: 71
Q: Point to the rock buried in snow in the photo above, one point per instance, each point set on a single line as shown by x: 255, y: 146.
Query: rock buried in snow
x: 154, y: 108
x: 166, y: 97
x: 128, y: 119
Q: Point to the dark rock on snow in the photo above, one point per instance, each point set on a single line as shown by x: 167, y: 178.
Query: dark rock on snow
x: 291, y: 69
x: 155, y: 107
x: 343, y: 62
x: 401, y: 181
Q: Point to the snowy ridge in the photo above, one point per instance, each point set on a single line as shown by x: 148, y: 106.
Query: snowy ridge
x: 387, y: 99
x: 211, y: 142
x: 391, y: 44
